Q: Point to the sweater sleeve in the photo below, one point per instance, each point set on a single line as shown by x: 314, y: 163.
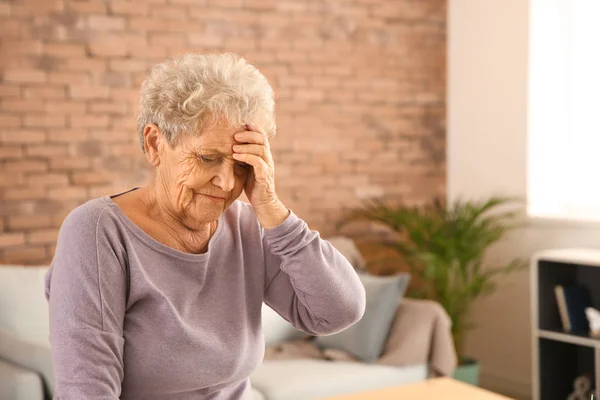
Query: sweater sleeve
x: 86, y: 288
x: 309, y: 282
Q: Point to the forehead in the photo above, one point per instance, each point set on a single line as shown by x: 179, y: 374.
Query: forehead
x: 215, y: 136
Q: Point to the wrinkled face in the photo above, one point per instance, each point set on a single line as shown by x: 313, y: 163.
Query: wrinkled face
x: 199, y: 179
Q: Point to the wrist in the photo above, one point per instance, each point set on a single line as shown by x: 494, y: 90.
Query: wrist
x: 272, y: 215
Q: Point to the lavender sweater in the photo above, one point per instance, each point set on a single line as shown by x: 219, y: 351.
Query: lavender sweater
x: 187, y: 326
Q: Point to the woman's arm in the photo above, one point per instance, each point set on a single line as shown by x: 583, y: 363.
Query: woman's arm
x: 309, y: 282
x: 85, y: 288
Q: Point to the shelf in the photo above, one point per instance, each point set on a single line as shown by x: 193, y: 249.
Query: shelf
x: 581, y: 340
x: 560, y: 357
x: 588, y: 257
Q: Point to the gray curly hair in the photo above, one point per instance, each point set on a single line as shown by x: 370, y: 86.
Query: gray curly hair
x: 181, y: 95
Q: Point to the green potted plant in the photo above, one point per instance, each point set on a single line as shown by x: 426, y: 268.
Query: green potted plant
x: 444, y: 246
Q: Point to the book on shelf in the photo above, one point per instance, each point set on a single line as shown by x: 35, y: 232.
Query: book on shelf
x: 572, y: 300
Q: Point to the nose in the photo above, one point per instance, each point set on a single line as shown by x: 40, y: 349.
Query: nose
x: 225, y: 177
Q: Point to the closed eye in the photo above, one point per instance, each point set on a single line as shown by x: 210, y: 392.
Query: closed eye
x: 207, y: 159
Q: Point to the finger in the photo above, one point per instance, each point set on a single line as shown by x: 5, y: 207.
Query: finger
x: 262, y: 171
x: 257, y: 128
x: 256, y: 149
x: 252, y: 135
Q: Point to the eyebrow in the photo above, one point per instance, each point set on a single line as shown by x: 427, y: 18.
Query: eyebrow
x: 208, y: 150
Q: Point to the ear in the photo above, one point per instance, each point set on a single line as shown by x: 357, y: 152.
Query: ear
x: 153, y: 144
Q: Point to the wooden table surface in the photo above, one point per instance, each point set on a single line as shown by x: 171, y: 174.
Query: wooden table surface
x: 431, y: 389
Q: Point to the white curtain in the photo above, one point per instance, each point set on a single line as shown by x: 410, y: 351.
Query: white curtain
x: 564, y: 109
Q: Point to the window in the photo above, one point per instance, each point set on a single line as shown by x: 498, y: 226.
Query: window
x: 564, y: 110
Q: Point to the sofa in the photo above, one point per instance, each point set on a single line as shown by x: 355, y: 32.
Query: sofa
x: 26, y: 365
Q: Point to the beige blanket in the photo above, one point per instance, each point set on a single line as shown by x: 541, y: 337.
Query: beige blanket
x: 419, y: 334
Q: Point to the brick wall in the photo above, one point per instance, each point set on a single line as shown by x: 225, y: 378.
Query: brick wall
x: 360, y: 86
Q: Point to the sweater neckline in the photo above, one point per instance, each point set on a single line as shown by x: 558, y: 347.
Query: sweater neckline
x: 155, y: 244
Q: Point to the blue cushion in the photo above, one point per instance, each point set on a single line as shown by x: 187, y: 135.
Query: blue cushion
x: 366, y: 339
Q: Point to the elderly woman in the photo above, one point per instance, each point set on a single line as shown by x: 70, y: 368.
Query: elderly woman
x: 156, y: 292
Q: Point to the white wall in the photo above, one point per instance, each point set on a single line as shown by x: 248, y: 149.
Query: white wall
x: 487, y: 146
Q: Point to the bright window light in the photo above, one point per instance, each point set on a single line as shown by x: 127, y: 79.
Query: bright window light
x: 564, y: 110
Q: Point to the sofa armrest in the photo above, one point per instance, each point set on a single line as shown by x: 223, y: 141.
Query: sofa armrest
x: 421, y: 334
x: 29, y: 355
x: 17, y: 383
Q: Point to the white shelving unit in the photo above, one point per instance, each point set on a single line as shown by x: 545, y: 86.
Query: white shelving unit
x: 559, y: 357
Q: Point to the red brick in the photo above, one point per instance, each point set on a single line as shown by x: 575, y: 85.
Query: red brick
x: 67, y: 135
x: 88, y: 121
x: 105, y: 23
x: 71, y: 78
x: 84, y: 65
x: 128, y: 65
x: 145, y: 23
x: 9, y: 152
x: 130, y: 95
x: 26, y: 166
x: 24, y: 47
x: 24, y: 193
x: 309, y: 95
x: 92, y: 177
x: 339, y: 70
x: 109, y: 48
x: 88, y: 6
x: 167, y: 39
x: 129, y: 149
x: 89, y: 92
x: 11, y: 239
x: 65, y: 107
x: 22, y: 222
x: 45, y: 121
x: 324, y: 82
x: 103, y: 190
x: 64, y: 50
x: 45, y: 92
x: 123, y: 123
x: 291, y: 5
x: 129, y: 8
x: 26, y: 255
x: 157, y: 53
x: 109, y: 108
x: 112, y: 135
x: 203, y: 40
x: 170, y: 12
x: 42, y: 236
x: 9, y: 121
x: 46, y: 150
x: 74, y: 193
x: 50, y: 250
x: 47, y: 179
x: 11, y: 178
x: 262, y: 5
x: 12, y: 105
x: 11, y: 29
x: 226, y: 3
x: 60, y: 164
x: 292, y: 56
x: 25, y: 76
x: 9, y: 91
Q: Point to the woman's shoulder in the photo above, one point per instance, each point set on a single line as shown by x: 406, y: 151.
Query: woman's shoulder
x: 89, y: 217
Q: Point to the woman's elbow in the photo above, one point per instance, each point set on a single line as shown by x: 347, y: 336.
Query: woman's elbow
x: 348, y: 313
